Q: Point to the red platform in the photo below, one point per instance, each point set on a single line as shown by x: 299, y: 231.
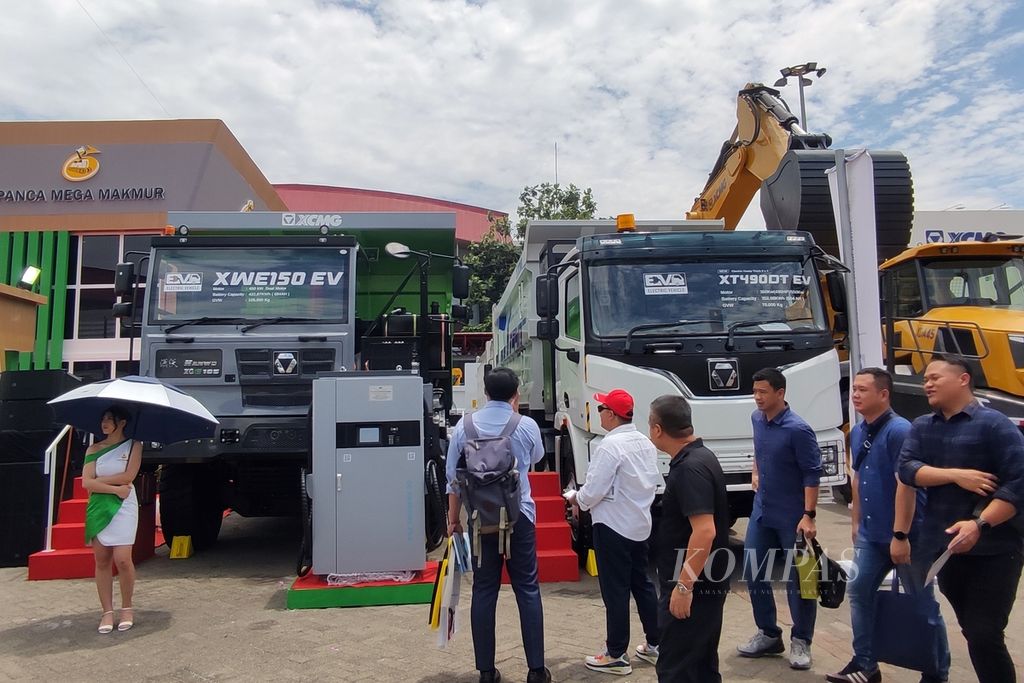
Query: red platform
x: 70, y: 557
x: 556, y: 560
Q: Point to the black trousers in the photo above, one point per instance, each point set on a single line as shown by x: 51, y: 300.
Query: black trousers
x: 982, y: 589
x: 621, y: 570
x: 689, y: 647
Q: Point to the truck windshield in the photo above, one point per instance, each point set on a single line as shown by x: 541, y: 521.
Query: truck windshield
x: 986, y: 281
x: 249, y: 284
x: 712, y: 294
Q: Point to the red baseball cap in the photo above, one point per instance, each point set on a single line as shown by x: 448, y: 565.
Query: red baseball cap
x: 619, y: 400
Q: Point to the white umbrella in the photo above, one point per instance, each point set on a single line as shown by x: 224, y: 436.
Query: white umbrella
x: 160, y: 412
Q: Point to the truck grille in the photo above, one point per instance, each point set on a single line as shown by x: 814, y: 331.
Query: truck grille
x: 260, y: 362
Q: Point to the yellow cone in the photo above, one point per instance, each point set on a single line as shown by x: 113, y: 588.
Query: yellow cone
x: 181, y: 548
x: 591, y: 566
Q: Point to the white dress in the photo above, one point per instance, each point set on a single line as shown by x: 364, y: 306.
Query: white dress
x: 121, y: 530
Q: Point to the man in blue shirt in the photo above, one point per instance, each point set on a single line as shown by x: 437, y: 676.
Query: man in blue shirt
x: 971, y: 461
x: 787, y: 471
x: 502, y: 388
x: 875, y: 444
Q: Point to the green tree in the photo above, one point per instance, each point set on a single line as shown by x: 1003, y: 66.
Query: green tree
x: 493, y: 258
x: 553, y: 202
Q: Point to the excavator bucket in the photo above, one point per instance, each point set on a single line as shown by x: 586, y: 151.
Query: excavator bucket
x: 796, y: 197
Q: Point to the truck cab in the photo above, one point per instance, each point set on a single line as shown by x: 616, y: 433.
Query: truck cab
x: 244, y: 310
x: 672, y: 307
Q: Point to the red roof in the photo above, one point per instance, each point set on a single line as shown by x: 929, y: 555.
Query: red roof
x: 471, y: 222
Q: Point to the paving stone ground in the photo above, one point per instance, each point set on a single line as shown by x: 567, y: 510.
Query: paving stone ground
x: 221, y: 616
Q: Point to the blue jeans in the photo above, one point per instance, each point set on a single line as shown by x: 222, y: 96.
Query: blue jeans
x: 758, y: 559
x: 522, y: 571
x: 873, y: 563
x: 621, y: 570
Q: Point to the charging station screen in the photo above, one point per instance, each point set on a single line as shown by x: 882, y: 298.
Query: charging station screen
x: 369, y: 435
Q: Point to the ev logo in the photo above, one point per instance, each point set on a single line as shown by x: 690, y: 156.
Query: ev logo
x: 665, y: 283
x: 311, y: 220
x: 183, y: 282
x: 933, y: 236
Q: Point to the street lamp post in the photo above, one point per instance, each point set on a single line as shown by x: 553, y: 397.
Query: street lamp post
x: 800, y: 72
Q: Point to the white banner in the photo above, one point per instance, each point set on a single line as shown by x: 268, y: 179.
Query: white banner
x: 864, y: 297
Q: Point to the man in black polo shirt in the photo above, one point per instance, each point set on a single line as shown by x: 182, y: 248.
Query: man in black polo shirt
x: 971, y: 460
x: 692, y: 548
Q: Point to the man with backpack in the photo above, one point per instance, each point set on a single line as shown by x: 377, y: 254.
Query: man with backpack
x: 489, y: 457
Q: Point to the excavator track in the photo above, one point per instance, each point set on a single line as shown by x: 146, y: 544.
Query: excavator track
x: 796, y: 197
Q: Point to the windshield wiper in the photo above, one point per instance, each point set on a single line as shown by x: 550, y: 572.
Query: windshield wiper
x: 730, y: 337
x: 205, y: 320
x: 275, y: 321
x: 660, y: 326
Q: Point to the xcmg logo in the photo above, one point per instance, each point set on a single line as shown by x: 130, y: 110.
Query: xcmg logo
x: 935, y: 236
x: 311, y: 220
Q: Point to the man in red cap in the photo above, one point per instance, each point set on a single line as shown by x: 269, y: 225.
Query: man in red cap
x: 619, y: 491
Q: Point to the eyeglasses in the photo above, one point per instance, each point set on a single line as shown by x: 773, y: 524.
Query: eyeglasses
x: 602, y: 408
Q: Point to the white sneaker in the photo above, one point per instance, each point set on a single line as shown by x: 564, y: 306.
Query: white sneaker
x: 618, y: 666
x: 648, y: 653
x: 760, y: 645
x: 799, y: 654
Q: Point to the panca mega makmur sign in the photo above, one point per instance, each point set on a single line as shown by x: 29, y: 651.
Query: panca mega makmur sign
x: 83, y: 164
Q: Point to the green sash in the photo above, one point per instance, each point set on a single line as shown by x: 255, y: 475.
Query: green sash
x: 102, y: 506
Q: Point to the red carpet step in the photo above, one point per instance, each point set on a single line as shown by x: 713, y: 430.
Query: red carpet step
x: 556, y: 560
x: 70, y: 557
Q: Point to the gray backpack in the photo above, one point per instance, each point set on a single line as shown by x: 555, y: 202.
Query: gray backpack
x: 488, y: 483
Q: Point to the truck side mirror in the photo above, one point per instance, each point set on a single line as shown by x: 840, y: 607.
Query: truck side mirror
x: 460, y: 281
x: 460, y: 313
x: 836, y: 285
x: 547, y: 296
x: 123, y: 310
x: 547, y: 329
x: 124, y: 278
x: 839, y: 323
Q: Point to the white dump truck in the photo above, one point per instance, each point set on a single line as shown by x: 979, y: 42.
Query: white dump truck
x: 667, y: 307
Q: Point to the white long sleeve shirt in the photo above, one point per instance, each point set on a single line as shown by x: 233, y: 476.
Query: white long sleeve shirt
x: 621, y: 480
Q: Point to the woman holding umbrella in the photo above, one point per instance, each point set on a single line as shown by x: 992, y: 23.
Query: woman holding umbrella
x: 112, y: 515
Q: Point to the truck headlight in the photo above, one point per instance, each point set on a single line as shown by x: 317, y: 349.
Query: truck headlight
x: 829, y: 459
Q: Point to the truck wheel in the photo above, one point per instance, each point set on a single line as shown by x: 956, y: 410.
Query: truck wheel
x: 581, y: 528
x: 191, y: 503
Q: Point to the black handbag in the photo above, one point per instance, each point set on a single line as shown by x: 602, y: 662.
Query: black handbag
x: 831, y: 580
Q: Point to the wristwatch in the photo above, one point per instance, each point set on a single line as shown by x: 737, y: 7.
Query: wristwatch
x: 681, y: 587
x: 983, y: 525
x: 810, y: 514
x: 899, y: 535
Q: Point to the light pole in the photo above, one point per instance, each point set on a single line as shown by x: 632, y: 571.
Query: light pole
x: 800, y: 72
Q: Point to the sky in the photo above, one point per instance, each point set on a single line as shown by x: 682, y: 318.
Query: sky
x: 466, y: 100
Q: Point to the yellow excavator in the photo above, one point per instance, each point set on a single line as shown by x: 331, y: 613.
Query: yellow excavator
x: 965, y: 297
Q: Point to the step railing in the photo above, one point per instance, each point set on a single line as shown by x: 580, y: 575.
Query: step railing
x: 50, y: 470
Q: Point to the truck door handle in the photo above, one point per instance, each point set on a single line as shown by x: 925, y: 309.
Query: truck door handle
x: 775, y: 341
x: 339, y: 482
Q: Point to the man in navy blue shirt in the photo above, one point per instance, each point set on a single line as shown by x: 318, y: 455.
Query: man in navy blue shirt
x: 971, y: 461
x: 787, y: 471
x: 875, y: 444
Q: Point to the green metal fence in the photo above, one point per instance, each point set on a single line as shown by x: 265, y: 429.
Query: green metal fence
x: 48, y: 251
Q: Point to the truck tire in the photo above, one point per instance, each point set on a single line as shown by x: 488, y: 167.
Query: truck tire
x: 581, y: 528
x: 191, y: 503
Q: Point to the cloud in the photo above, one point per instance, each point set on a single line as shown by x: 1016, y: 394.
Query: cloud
x: 466, y: 100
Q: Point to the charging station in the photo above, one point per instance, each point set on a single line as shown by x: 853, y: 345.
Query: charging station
x: 367, y: 483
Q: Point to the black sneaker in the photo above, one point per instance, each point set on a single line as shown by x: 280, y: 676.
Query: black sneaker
x: 490, y: 676
x: 853, y: 673
x: 538, y: 676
